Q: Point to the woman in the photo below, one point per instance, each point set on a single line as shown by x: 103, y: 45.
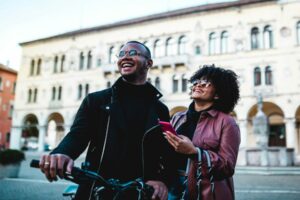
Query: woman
x: 208, y: 137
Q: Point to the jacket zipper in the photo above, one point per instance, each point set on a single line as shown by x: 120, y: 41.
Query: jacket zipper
x: 102, y: 155
x: 143, y: 161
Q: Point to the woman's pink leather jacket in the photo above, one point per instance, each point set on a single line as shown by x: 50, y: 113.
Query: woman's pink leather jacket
x: 219, y: 134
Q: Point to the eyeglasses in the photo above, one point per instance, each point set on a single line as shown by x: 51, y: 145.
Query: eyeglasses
x: 202, y: 83
x: 130, y: 53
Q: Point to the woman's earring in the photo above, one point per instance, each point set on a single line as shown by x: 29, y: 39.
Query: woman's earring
x: 216, y: 97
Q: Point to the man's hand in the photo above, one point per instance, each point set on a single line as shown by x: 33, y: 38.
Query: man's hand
x: 54, y: 165
x: 160, y: 190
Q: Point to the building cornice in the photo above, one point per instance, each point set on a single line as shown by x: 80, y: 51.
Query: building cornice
x: 169, y: 14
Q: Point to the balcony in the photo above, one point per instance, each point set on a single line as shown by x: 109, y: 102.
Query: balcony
x: 265, y: 90
x: 109, y: 67
x: 170, y: 60
x: 55, y: 104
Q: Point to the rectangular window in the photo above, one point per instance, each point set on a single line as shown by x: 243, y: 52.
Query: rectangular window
x: 11, y: 111
x: 14, y: 88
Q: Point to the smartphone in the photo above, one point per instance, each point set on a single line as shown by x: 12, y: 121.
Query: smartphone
x: 166, y: 126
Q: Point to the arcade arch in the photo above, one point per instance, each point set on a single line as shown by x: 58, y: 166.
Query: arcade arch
x: 277, y: 131
x: 30, y: 132
x: 55, y: 129
x: 177, y: 109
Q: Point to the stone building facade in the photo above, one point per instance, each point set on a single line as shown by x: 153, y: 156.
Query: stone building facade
x: 258, y: 39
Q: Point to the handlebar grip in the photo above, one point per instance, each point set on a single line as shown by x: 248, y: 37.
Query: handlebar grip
x: 35, y: 163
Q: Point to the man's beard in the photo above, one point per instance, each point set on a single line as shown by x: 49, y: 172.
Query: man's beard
x: 129, y: 77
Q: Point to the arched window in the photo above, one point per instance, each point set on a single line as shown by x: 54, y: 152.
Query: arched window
x: 81, y: 61
x: 62, y: 63
x: 87, y: 88
x: 212, y: 43
x: 157, y: 83
x: 89, y: 61
x: 175, y: 84
x: 268, y: 76
x: 38, y: 70
x: 53, y: 93
x: 298, y: 32
x: 254, y: 38
x: 257, y: 76
x: 158, y: 49
x: 224, y: 42
x: 32, y: 68
x: 59, y: 93
x: 55, y: 64
x: 29, y: 95
x: 149, y: 80
x: 170, y: 46
x: 268, y: 37
x: 79, y: 91
x: 99, y: 62
x: 35, y: 95
x: 197, y: 50
x: 111, y: 54
x: 184, y: 83
x: 182, y: 41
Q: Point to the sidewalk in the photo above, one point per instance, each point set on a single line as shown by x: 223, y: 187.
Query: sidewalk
x: 293, y: 170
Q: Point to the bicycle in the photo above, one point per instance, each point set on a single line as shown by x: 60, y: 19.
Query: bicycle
x: 103, y: 186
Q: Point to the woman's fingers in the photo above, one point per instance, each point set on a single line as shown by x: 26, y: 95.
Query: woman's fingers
x: 170, y: 140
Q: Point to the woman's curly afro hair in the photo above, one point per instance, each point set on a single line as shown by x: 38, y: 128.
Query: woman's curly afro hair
x: 226, y: 85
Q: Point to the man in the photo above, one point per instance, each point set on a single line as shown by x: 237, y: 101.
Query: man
x: 119, y: 125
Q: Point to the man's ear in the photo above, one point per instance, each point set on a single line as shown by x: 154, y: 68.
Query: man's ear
x: 149, y: 63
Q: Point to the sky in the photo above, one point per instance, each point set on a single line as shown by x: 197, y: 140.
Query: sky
x: 26, y: 20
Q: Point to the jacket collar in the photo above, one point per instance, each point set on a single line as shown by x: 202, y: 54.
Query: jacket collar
x: 210, y: 111
x: 115, y: 110
x: 115, y: 87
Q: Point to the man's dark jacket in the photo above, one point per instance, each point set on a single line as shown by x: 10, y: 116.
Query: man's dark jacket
x: 96, y: 124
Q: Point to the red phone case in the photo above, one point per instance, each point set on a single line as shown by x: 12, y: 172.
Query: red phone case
x: 166, y: 126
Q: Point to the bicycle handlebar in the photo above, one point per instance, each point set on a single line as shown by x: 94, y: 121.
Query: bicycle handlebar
x: 79, y: 176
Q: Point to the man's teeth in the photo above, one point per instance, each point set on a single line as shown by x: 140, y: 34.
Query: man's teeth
x: 127, y: 65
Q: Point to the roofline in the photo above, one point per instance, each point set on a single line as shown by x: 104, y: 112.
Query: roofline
x: 174, y: 13
x: 8, y: 69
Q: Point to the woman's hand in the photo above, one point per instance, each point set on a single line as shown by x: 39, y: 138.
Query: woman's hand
x: 181, y: 143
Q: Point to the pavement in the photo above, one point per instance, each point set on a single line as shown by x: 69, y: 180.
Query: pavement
x: 251, y: 183
x: 293, y: 170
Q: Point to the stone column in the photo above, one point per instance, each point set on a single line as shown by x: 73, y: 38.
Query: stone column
x: 41, y: 142
x: 15, y: 137
x: 290, y: 132
x: 243, y: 132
